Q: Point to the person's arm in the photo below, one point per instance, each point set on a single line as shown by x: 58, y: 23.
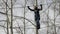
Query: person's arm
x: 30, y: 8
x: 41, y: 7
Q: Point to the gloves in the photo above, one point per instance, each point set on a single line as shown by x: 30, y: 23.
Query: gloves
x: 40, y: 4
x: 27, y: 6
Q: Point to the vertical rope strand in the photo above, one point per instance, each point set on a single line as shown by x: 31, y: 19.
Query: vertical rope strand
x: 37, y: 6
x: 11, y: 17
x: 54, y: 19
x: 24, y: 16
x: 7, y: 18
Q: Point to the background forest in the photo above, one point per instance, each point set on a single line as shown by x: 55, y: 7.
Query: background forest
x: 16, y: 18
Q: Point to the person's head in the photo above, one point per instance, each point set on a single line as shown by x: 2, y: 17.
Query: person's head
x: 35, y: 7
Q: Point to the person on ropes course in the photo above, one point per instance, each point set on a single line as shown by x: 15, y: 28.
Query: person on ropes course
x: 37, y: 15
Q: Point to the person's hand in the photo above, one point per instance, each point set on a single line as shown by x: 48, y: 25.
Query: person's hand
x: 40, y: 4
x: 27, y: 6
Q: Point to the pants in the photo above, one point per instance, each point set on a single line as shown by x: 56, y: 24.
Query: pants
x: 37, y: 18
x: 37, y: 24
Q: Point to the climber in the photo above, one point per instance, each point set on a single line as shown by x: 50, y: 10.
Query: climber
x: 37, y: 15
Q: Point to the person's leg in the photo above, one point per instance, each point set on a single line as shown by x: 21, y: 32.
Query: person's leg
x: 38, y: 24
x: 37, y: 18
